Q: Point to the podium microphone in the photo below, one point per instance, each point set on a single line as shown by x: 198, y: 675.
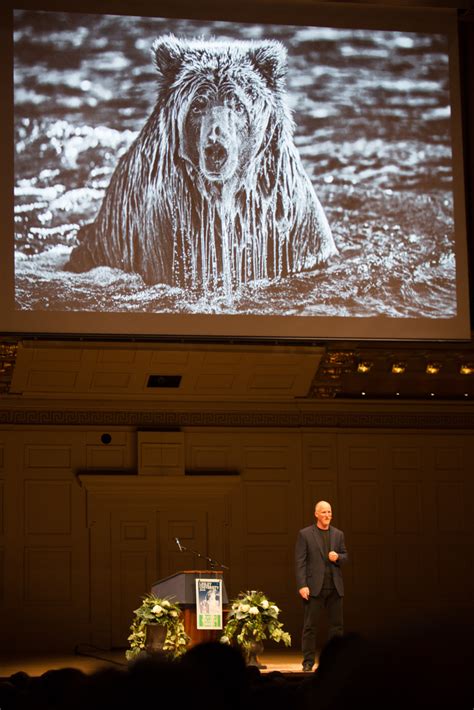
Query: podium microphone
x: 178, y: 543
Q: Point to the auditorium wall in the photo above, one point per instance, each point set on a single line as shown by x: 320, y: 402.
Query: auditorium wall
x: 89, y: 517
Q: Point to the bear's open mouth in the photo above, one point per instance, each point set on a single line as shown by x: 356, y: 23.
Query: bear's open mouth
x: 215, y: 155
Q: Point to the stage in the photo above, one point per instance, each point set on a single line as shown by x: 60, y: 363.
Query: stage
x: 89, y: 659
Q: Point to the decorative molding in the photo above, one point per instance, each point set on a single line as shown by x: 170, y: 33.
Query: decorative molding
x: 108, y: 488
x: 357, y: 419
x: 8, y: 353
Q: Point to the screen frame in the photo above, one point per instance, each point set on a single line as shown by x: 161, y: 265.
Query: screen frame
x: 341, y: 15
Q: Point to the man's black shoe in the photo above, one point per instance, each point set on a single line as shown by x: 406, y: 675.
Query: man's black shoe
x: 307, y: 667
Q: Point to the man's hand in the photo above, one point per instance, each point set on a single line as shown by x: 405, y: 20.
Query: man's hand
x: 333, y: 556
x: 304, y: 592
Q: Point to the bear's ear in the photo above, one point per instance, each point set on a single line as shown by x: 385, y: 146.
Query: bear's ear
x: 269, y: 58
x: 168, y: 54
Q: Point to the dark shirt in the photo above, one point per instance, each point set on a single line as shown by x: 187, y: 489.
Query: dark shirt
x: 328, y: 582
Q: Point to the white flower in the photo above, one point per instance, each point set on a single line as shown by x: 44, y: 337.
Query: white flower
x: 253, y: 610
x: 165, y: 603
x: 274, y: 608
x: 245, y: 608
x: 225, y: 639
x: 265, y: 604
x: 173, y: 613
x: 157, y: 609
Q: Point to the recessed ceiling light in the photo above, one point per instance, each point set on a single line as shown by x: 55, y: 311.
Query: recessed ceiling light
x: 398, y: 368
x: 433, y: 368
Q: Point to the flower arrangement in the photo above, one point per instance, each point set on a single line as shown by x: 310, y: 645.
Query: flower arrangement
x: 164, y: 613
x: 253, y: 618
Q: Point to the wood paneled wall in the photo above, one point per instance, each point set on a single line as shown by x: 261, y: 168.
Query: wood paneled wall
x: 86, y: 527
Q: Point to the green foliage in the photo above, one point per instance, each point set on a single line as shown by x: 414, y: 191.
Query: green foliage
x: 158, y: 611
x: 253, y: 617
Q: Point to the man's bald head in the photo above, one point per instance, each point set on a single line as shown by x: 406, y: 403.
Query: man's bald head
x: 323, y: 514
x: 321, y: 504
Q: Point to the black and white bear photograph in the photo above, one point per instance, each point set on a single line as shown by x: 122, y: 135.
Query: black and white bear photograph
x: 177, y: 166
x: 212, y: 193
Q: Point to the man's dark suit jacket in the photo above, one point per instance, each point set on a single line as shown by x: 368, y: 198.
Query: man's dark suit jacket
x: 310, y: 559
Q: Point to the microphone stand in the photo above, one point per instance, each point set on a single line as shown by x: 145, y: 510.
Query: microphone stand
x: 213, y: 563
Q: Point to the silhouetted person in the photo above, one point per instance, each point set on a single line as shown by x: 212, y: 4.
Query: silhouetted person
x: 422, y: 663
x: 218, y: 671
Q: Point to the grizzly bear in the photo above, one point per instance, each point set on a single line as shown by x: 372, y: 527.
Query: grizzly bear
x: 212, y: 193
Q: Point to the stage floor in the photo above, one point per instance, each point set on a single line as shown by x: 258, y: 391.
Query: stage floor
x: 89, y: 660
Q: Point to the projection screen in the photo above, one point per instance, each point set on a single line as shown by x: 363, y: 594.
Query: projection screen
x: 214, y: 178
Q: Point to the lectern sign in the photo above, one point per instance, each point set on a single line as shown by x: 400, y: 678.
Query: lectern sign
x: 209, y: 603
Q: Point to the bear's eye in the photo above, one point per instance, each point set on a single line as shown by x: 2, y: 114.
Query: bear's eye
x: 199, y: 104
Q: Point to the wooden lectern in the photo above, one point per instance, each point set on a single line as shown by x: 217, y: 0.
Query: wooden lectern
x: 181, y: 588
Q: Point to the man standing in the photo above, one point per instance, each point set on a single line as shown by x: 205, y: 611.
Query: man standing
x: 320, y: 552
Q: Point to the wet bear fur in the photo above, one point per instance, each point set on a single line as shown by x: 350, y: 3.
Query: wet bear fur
x: 212, y: 193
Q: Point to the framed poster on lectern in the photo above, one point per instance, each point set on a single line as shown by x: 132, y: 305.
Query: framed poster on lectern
x: 209, y: 603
